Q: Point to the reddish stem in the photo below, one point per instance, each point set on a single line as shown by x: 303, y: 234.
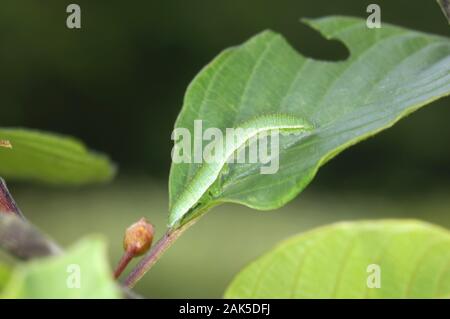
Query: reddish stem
x: 7, y: 203
x: 123, y: 263
x: 154, y: 254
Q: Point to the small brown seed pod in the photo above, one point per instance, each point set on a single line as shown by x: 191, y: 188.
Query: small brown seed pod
x: 137, y: 241
x: 138, y: 237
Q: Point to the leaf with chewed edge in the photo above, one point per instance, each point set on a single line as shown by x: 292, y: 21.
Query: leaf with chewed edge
x: 390, y: 73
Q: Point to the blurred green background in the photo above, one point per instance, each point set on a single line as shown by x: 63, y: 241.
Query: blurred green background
x: 118, y: 84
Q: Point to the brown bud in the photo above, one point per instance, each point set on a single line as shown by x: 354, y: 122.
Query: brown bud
x: 138, y: 237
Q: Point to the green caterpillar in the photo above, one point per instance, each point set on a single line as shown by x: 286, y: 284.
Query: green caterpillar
x: 209, y: 172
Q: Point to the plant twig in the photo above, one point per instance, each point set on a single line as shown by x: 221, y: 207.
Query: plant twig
x: 124, y: 261
x: 7, y: 203
x: 19, y: 237
x: 136, y: 242
x: 22, y: 240
x: 155, y: 253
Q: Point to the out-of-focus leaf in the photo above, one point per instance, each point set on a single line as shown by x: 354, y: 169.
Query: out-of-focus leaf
x: 82, y: 272
x: 410, y: 258
x: 4, y: 276
x: 51, y: 158
x: 390, y: 73
x: 22, y: 240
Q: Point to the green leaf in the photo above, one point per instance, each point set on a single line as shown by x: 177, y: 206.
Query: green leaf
x: 4, y: 276
x: 50, y: 158
x: 56, y: 277
x: 390, y: 73
x: 332, y: 262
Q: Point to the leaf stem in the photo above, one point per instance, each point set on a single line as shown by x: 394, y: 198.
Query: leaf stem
x: 155, y: 253
x: 123, y: 263
x: 7, y: 203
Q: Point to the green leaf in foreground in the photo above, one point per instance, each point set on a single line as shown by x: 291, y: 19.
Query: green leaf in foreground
x: 390, y: 73
x: 333, y: 261
x: 50, y: 158
x: 55, y: 277
x: 4, y: 276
